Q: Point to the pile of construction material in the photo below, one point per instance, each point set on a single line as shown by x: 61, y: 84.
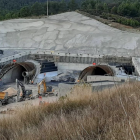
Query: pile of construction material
x: 65, y: 77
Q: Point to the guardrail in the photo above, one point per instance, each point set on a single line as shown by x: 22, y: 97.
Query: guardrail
x: 13, y: 57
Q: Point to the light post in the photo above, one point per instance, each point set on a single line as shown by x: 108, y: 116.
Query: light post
x: 47, y: 8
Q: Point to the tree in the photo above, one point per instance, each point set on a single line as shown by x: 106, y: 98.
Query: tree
x: 25, y: 11
x: 63, y: 6
x: 84, y: 5
x: 15, y: 15
x: 1, y: 17
x: 8, y: 16
x: 133, y: 9
x: 92, y: 2
x: 114, y: 10
x: 99, y: 6
x: 37, y: 9
x: 105, y: 8
x: 72, y: 5
x: 89, y: 6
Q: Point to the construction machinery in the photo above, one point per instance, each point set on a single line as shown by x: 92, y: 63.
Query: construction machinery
x: 23, y: 94
x: 45, y: 90
x: 7, y: 96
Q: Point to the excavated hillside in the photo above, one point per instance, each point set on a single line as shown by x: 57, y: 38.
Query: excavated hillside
x: 68, y: 32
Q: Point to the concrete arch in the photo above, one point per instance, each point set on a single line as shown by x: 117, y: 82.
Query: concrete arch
x: 96, y: 70
x: 11, y: 72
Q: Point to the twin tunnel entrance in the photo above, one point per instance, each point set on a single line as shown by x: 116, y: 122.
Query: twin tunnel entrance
x: 96, y: 70
x: 23, y: 71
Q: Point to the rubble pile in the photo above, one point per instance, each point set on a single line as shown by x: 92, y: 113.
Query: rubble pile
x: 65, y: 77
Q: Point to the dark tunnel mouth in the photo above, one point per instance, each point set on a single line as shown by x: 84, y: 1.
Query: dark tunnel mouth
x: 102, y: 70
x: 11, y: 72
x: 15, y: 73
x: 98, y: 71
x: 24, y: 73
x: 21, y: 78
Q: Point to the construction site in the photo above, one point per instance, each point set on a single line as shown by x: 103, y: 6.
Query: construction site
x: 42, y: 59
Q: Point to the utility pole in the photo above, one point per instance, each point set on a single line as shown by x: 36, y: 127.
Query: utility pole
x: 96, y: 5
x: 47, y: 8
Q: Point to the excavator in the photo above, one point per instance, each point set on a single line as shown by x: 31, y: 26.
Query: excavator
x: 24, y: 94
x: 8, y: 96
x: 46, y: 89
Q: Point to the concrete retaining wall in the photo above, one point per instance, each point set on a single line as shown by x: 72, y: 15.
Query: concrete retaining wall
x: 105, y: 78
x: 80, y: 58
x: 71, y: 66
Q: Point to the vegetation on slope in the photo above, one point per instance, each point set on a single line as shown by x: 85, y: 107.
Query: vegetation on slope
x: 112, y: 114
x: 26, y: 8
x: 124, y: 12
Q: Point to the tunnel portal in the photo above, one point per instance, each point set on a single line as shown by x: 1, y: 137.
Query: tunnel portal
x: 96, y: 70
x: 11, y: 72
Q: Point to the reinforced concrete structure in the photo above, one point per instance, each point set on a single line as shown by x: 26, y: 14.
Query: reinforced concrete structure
x: 68, y: 32
x: 70, y: 40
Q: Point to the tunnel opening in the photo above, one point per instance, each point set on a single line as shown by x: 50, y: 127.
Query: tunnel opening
x: 102, y: 70
x: 11, y: 72
x: 98, y: 71
x: 19, y: 76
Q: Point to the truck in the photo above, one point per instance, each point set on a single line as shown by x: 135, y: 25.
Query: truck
x: 8, y: 96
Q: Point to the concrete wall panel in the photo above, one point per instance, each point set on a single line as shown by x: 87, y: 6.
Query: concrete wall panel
x: 72, y: 66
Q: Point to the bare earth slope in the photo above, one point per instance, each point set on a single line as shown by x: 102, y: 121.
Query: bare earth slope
x: 68, y: 32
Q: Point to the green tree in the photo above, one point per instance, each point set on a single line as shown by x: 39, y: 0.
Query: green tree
x: 1, y: 17
x: 84, y: 5
x: 89, y: 6
x: 25, y: 11
x: 92, y: 2
x: 105, y: 7
x: 37, y: 9
x: 114, y: 10
x: 133, y: 9
x: 72, y: 5
x: 99, y: 7
x: 8, y: 16
x: 15, y: 15
x: 63, y: 6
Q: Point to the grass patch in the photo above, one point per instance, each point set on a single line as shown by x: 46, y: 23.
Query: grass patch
x: 111, y: 114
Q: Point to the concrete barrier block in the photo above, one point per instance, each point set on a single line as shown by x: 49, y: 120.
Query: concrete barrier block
x: 105, y: 78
